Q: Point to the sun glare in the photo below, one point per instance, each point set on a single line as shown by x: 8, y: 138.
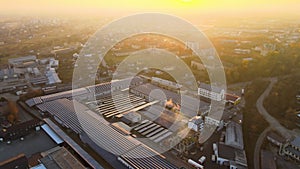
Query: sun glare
x: 130, y: 6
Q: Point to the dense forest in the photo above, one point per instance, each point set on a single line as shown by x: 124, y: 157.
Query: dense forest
x: 277, y: 63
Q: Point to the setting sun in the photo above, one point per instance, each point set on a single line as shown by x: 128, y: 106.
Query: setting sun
x: 130, y: 6
x: 135, y: 84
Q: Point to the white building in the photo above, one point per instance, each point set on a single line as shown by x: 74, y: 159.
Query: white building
x: 211, y: 92
x: 212, y: 121
x: 52, y: 76
x: 53, y: 63
x: 166, y: 83
x: 196, y: 123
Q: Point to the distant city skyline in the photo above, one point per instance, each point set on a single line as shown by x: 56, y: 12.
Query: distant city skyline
x: 122, y: 7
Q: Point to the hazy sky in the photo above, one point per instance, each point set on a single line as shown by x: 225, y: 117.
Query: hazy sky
x: 117, y: 7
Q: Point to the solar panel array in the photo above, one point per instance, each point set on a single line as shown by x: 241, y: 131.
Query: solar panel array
x: 30, y: 102
x: 115, y: 85
x: 37, y: 100
x: 95, y: 126
x: 34, y: 101
x: 66, y: 94
x: 38, y: 80
x: 63, y: 109
x: 105, y: 136
x: 120, y: 103
x: 55, y: 96
x: 99, y: 89
x: 152, y: 131
x: 90, y: 160
x: 144, y: 158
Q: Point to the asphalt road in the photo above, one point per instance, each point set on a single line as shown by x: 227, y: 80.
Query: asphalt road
x: 258, y: 144
x: 274, y: 124
x: 270, y: 119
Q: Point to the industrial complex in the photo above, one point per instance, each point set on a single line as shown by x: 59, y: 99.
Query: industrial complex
x: 27, y: 71
x: 140, y: 122
x: 135, y: 123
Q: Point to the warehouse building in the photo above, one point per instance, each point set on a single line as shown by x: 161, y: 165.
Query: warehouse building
x: 229, y: 156
x: 60, y: 158
x: 234, y: 135
x: 275, y: 138
x: 211, y: 92
x: 292, y: 149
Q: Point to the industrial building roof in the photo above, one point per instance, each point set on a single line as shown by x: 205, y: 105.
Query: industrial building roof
x: 83, y: 154
x: 226, y: 151
x: 293, y: 150
x: 296, y: 142
x: 60, y: 158
x: 21, y: 59
x: 40, y: 166
x: 103, y: 135
x: 87, y: 123
x: 234, y: 135
x: 143, y: 157
x: 275, y: 136
x: 64, y: 112
x: 188, y: 105
x: 231, y: 97
x: 52, y: 76
x: 147, y: 88
x: 95, y: 89
x: 52, y: 134
x: 210, y: 87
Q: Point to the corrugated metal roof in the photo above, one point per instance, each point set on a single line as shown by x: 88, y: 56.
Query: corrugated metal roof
x: 90, y: 160
x: 210, y: 87
x: 234, y: 135
x: 52, y: 134
x: 143, y: 157
x: 40, y: 166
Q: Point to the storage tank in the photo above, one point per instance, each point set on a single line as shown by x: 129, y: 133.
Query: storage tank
x: 195, y: 164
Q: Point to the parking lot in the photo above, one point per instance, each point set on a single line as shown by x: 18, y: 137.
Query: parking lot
x: 33, y: 143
